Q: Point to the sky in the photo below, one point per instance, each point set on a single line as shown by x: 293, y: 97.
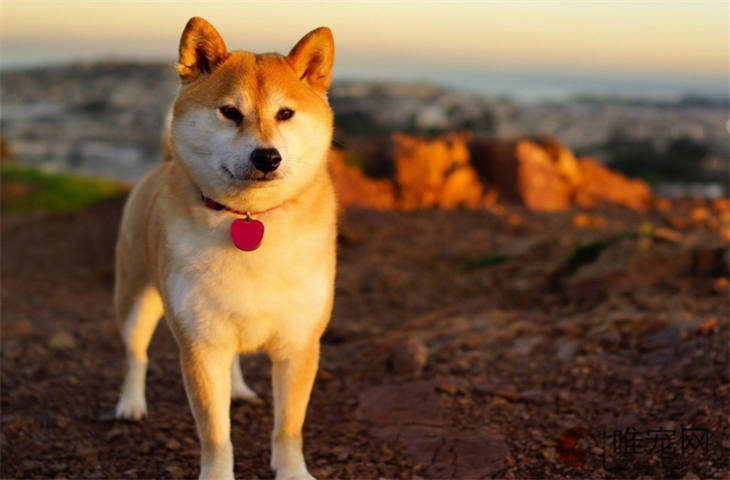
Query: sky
x: 669, y: 41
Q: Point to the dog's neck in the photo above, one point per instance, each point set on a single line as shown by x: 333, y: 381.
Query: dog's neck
x: 213, y: 205
x: 191, y: 194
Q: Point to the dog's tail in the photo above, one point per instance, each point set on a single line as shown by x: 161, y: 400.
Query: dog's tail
x: 167, y: 149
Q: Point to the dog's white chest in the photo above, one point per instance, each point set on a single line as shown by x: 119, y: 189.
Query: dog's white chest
x: 276, y: 293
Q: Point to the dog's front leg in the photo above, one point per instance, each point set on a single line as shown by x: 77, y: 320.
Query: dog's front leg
x: 292, y: 379
x: 206, y: 372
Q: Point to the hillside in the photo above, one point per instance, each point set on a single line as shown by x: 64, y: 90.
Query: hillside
x: 508, y: 304
x: 104, y: 118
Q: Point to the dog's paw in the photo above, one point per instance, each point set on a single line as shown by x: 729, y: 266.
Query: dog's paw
x: 243, y: 393
x: 131, y: 409
x: 305, y: 475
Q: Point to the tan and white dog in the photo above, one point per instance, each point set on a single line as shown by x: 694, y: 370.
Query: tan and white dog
x: 246, y: 144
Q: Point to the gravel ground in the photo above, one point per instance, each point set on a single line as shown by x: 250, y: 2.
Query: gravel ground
x: 463, y: 344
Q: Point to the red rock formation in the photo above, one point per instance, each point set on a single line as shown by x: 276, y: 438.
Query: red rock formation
x: 355, y: 189
x: 545, y: 175
x: 600, y: 186
x: 435, y: 172
x: 524, y: 171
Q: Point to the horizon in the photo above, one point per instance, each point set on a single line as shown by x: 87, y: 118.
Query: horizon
x: 677, y: 49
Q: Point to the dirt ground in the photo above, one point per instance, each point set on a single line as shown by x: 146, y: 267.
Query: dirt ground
x: 462, y: 345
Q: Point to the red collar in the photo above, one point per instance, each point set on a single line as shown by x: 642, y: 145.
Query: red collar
x: 213, y: 205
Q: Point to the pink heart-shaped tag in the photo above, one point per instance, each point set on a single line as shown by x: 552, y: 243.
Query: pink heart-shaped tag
x: 247, y: 233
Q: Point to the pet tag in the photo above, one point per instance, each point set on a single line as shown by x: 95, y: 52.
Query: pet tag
x: 247, y: 233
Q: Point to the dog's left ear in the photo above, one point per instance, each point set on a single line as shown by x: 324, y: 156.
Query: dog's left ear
x: 312, y: 58
x: 201, y: 50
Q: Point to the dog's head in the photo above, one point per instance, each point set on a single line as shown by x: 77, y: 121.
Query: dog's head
x: 252, y: 130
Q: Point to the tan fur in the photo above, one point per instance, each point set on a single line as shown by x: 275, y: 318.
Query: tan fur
x: 175, y: 253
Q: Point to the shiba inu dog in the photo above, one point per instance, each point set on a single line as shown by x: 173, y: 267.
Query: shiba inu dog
x: 233, y: 238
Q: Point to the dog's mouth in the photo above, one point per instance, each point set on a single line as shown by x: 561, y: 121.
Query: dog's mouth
x: 254, y: 177
x: 259, y: 177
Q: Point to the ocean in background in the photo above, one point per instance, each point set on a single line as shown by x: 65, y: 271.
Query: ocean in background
x: 532, y: 85
x: 527, y: 84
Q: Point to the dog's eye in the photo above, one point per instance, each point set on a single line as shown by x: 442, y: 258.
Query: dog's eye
x: 231, y: 113
x: 284, y: 114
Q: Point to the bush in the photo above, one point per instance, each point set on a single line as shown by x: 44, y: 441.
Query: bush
x: 28, y: 189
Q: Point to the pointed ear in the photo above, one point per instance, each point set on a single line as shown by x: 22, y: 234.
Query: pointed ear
x: 312, y: 58
x: 201, y: 50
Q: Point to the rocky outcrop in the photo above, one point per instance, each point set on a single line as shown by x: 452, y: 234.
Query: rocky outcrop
x: 452, y: 171
x: 545, y: 176
x: 355, y: 189
x: 435, y: 173
x: 600, y: 186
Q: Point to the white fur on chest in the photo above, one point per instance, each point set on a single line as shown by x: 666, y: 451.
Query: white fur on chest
x: 271, y: 297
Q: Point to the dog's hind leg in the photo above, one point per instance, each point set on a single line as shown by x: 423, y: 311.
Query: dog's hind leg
x: 239, y: 389
x: 140, y: 317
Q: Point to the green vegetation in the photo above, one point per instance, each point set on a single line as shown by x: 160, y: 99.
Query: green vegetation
x: 488, y: 261
x: 26, y: 189
x: 354, y: 160
x: 588, y: 252
x: 681, y: 161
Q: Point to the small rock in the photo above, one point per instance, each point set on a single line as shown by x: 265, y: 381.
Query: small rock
x: 62, y: 341
x: 581, y: 220
x: 341, y: 453
x: 508, y: 391
x: 566, y: 349
x: 452, y: 386
x: 690, y: 476
x: 447, y: 388
x: 473, y: 340
x: 109, y: 329
x: 707, y: 326
x: 409, y: 356
x: 535, y: 396
x: 721, y: 285
x: 524, y: 346
x: 63, y: 422
x: 721, y: 204
x: 502, y: 391
x: 20, y: 328
x: 58, y: 467
x: 699, y: 214
x: 173, y: 445
x: 175, y: 471
x: 662, y: 204
x: 30, y: 465
x: 667, y: 234
x: 87, y: 453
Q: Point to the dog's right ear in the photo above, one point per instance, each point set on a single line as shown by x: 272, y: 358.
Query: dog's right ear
x: 201, y: 50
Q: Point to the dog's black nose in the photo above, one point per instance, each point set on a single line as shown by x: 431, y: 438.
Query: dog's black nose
x: 266, y: 159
